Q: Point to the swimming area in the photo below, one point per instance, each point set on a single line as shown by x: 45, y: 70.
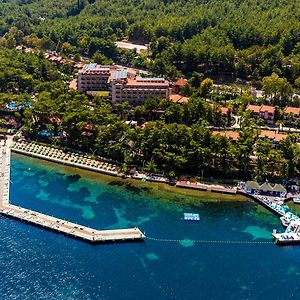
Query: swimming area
x: 37, y: 264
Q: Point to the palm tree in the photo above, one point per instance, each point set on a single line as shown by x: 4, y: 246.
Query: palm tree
x: 151, y: 166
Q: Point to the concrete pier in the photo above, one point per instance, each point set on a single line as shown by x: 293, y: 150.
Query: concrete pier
x: 69, y: 228
x: 53, y: 223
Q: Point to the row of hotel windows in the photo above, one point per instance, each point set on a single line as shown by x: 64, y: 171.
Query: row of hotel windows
x: 133, y: 92
x: 93, y: 78
x: 120, y: 91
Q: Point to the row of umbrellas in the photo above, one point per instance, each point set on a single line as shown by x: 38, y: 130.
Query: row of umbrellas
x: 64, y: 156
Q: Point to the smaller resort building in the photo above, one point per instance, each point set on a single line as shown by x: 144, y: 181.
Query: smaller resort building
x: 229, y: 134
x: 179, y: 85
x: 272, y: 135
x: 266, y: 113
x: 263, y: 112
x: 176, y: 98
x: 136, y: 90
x: 267, y: 189
x: 291, y: 116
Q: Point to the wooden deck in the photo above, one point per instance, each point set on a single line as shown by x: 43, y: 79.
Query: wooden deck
x: 52, y: 223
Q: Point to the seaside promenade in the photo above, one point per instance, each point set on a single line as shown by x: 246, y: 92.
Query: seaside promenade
x: 80, y: 160
x: 83, y: 161
x: 66, y: 158
x: 52, y: 223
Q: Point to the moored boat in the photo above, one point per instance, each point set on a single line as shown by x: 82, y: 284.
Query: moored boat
x: 296, y: 200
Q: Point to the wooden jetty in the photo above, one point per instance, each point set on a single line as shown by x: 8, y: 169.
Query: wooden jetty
x: 52, y: 223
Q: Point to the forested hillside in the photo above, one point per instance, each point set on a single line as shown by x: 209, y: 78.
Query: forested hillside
x: 241, y: 38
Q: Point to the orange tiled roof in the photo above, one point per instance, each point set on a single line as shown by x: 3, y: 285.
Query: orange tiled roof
x: 175, y: 97
x: 134, y: 82
x: 267, y: 133
x: 178, y: 98
x: 280, y: 137
x: 254, y: 108
x: 73, y: 84
x: 181, y: 82
x: 267, y: 108
x: 219, y: 133
x: 262, y: 108
x: 232, y: 135
x: 224, y: 110
x: 292, y: 110
x: 272, y: 135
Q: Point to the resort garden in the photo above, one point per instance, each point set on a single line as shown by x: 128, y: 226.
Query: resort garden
x: 168, y: 137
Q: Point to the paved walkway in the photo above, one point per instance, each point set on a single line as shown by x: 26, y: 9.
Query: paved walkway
x: 211, y: 187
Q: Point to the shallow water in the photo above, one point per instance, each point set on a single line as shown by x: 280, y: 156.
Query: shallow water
x: 38, y: 264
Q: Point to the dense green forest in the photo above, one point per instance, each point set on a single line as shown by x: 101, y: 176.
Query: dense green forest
x: 248, y: 39
x: 257, y: 41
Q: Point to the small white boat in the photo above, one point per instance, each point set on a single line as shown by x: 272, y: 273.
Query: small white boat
x: 296, y: 200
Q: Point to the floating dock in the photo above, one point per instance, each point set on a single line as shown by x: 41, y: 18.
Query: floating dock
x: 191, y: 217
x: 290, y: 236
x: 52, y: 223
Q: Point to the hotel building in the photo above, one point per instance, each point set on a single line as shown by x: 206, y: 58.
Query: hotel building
x: 122, y: 83
x: 93, y: 77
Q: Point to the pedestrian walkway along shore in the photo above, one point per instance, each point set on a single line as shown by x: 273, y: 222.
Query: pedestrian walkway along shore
x: 291, y: 235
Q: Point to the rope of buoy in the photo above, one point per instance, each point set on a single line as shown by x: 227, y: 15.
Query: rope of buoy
x: 208, y: 241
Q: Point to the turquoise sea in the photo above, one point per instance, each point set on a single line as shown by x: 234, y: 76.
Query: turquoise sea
x: 39, y: 264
